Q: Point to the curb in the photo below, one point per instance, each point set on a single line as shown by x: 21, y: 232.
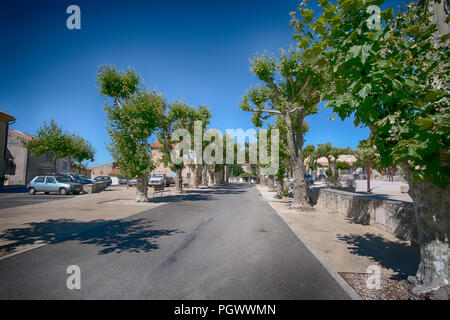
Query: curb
x: 344, y: 285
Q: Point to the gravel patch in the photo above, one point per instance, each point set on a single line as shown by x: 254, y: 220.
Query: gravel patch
x: 390, y: 288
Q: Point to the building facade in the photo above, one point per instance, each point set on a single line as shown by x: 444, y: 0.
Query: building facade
x: 21, y: 167
x: 5, y: 120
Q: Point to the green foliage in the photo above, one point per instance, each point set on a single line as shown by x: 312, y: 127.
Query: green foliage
x: 285, y: 192
x: 50, y: 138
x: 342, y: 165
x: 117, y: 84
x: 81, y: 150
x: 235, y: 170
x: 391, y: 79
x: 132, y: 118
x: 179, y: 115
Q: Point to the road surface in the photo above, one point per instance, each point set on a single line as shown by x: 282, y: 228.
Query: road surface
x: 221, y: 243
x: 9, y: 200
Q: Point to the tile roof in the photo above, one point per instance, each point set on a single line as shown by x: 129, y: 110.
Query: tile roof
x: 20, y: 134
x: 6, y: 116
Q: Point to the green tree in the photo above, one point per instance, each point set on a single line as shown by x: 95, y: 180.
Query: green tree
x: 332, y: 154
x: 235, y: 170
x: 310, y: 156
x: 50, y: 139
x: 393, y: 78
x: 81, y: 151
x: 290, y: 90
x: 133, y: 117
x: 202, y: 114
x: 177, y: 115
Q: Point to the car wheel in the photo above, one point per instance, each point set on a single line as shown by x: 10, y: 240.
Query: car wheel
x: 32, y: 191
x: 76, y: 192
x: 47, y: 192
x: 62, y: 191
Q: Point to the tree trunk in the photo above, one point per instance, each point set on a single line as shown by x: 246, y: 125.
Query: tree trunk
x: 301, y: 201
x: 178, y: 180
x: 270, y: 183
x: 211, y: 177
x: 195, y: 176
x: 204, y: 174
x: 333, y: 168
x: 368, y: 175
x: 141, y: 189
x: 262, y: 180
x: 432, y: 218
x: 55, y: 170
x: 280, y: 186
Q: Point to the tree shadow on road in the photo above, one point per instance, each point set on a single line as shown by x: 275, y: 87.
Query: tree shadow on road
x: 222, y: 189
x: 399, y: 256
x: 135, y: 235
x: 179, y: 197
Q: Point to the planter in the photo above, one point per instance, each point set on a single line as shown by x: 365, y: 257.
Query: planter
x: 285, y: 199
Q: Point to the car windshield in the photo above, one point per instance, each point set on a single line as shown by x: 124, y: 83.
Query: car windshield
x: 157, y: 176
x: 62, y: 179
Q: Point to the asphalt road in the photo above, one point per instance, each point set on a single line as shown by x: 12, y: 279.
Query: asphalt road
x: 225, y: 243
x: 9, y: 200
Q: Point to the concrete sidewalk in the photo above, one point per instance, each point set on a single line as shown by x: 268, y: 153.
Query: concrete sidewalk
x: 27, y: 226
x: 349, y: 247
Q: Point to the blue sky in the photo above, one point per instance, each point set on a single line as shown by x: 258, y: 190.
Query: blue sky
x: 197, y: 51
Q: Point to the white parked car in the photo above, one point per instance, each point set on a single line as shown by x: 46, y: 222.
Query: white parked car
x: 158, y: 179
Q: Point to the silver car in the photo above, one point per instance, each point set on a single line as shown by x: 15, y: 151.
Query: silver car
x: 58, y: 184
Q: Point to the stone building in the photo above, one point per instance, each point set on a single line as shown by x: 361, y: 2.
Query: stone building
x: 5, y: 120
x: 109, y: 169
x: 323, y: 164
x: 21, y: 167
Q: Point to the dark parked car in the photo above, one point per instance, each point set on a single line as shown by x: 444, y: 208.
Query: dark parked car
x: 123, y: 180
x: 104, y: 178
x: 60, y: 184
x: 309, y: 178
x: 321, y: 177
x: 78, y: 179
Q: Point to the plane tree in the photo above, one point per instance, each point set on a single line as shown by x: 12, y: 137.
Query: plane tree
x: 289, y: 89
x: 133, y: 117
x: 81, y: 151
x: 51, y: 139
x: 390, y: 72
x: 331, y: 153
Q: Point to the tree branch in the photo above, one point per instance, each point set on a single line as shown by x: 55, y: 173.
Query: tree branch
x: 302, y: 89
x: 266, y: 111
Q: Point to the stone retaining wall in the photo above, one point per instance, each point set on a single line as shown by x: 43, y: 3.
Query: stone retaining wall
x: 94, y: 188
x: 395, y: 217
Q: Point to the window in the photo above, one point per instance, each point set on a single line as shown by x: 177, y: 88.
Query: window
x: 39, y: 180
x: 48, y: 156
x: 65, y: 165
x: 63, y: 179
x: 50, y: 180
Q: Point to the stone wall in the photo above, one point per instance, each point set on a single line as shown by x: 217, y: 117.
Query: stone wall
x: 395, y: 217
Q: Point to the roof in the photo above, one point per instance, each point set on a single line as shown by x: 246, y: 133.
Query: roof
x: 20, y: 134
x: 6, y: 117
x: 156, y: 144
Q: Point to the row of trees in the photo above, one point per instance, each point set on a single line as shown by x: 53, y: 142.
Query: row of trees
x: 389, y: 71
x: 137, y: 115
x: 52, y: 139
